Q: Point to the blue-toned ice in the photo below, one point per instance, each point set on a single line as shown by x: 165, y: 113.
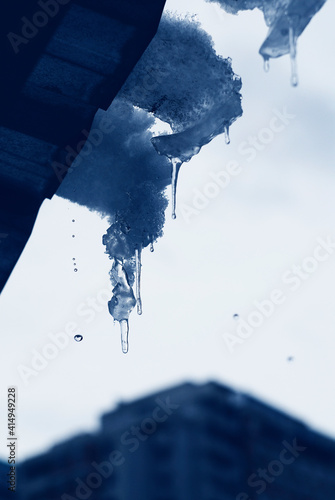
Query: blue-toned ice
x: 286, y: 20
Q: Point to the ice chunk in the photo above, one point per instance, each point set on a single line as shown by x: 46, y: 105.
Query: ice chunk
x: 182, y: 146
x: 293, y: 14
x: 123, y: 300
x: 286, y: 19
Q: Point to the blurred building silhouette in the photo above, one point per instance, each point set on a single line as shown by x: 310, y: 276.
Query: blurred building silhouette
x: 187, y: 443
x: 4, y: 492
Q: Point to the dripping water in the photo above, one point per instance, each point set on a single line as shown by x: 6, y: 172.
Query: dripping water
x: 176, y: 164
x: 124, y: 335
x: 138, y: 280
x: 266, y: 64
x: 78, y: 338
x: 152, y: 247
x: 226, y: 134
x: 293, y: 56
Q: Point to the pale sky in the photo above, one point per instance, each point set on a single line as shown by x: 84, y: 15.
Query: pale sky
x: 238, y: 248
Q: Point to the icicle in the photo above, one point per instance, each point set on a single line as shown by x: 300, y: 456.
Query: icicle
x: 152, y: 247
x: 266, y: 64
x: 124, y: 335
x: 138, y: 280
x: 176, y: 164
x: 226, y: 134
x: 293, y: 55
x: 122, y: 301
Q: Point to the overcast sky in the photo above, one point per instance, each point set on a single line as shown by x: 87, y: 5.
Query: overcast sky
x: 232, y: 250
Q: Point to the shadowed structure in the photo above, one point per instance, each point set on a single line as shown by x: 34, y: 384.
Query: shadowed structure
x: 61, y: 61
x: 189, y: 442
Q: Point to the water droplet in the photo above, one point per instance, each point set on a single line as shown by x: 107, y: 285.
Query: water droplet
x: 236, y: 316
x: 152, y: 247
x: 293, y: 55
x: 124, y: 335
x: 290, y: 358
x: 294, y: 81
x: 73, y: 220
x: 73, y: 258
x: 176, y: 164
x: 78, y: 338
x: 226, y: 134
x: 75, y: 270
x: 266, y: 64
x: 73, y: 236
x: 138, y: 280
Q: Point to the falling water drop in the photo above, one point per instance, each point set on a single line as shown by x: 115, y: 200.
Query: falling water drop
x: 138, y: 280
x: 152, y: 247
x: 73, y: 236
x: 293, y: 56
x: 73, y: 258
x: 124, y: 335
x: 266, y: 64
x: 78, y: 338
x: 226, y: 134
x: 176, y: 164
x: 73, y: 220
x: 75, y: 270
x: 236, y: 316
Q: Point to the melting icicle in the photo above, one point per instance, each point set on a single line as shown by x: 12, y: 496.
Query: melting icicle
x: 152, y: 247
x: 124, y: 335
x: 176, y: 164
x: 138, y: 280
x: 266, y: 64
x: 226, y: 134
x: 293, y: 56
x: 122, y: 301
